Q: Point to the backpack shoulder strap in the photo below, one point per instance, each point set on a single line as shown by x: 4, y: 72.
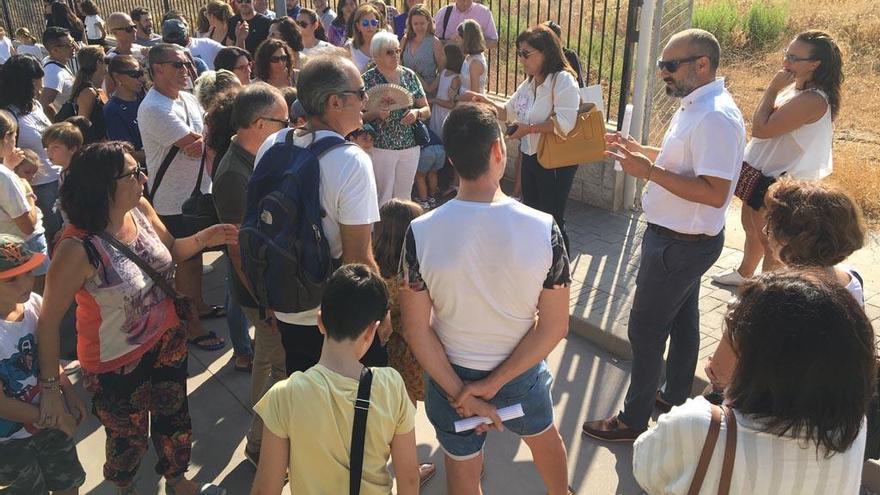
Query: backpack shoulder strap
x: 59, y: 64
x: 359, y: 431
x: 446, y: 15
x: 322, y: 146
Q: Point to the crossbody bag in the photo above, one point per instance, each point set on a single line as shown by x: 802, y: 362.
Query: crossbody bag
x: 359, y: 431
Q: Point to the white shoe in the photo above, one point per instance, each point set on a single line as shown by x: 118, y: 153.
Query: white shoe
x: 730, y: 277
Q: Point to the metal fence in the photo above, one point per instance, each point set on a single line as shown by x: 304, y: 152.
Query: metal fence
x: 597, y: 30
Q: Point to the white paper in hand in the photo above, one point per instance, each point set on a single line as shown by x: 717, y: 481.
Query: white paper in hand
x: 624, y: 130
x: 593, y: 94
x: 505, y: 413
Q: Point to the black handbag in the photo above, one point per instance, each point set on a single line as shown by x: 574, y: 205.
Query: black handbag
x: 198, y: 211
x: 420, y: 133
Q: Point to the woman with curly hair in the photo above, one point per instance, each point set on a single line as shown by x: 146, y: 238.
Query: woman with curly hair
x: 791, y: 135
x: 273, y: 63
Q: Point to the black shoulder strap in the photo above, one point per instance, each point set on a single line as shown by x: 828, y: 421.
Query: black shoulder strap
x: 59, y: 64
x: 198, y: 187
x: 359, y: 431
x: 446, y: 16
x: 166, y: 162
x: 158, y: 279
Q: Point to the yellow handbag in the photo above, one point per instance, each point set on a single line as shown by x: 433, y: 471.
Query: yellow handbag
x: 584, y: 144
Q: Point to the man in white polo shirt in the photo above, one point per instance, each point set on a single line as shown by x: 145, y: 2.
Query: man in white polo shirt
x: 691, y: 179
x: 484, y: 301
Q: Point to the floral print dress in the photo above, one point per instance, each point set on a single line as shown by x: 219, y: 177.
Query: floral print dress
x: 391, y: 134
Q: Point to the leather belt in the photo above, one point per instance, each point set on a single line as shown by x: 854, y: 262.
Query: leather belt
x: 678, y: 235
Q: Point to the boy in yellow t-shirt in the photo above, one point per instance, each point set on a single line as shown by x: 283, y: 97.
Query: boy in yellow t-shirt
x: 308, y: 417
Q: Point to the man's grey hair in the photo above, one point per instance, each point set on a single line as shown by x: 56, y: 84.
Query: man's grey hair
x: 253, y: 101
x: 382, y: 41
x: 704, y: 43
x: 161, y: 51
x: 321, y: 77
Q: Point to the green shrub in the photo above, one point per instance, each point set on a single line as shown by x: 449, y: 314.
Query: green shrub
x: 764, y: 24
x: 718, y: 17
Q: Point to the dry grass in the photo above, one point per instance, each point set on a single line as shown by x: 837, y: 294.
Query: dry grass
x: 856, y: 26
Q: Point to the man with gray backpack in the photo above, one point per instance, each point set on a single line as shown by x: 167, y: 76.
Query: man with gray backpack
x: 311, y: 203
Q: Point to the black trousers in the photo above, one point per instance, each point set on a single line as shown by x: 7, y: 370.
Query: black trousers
x: 302, y: 348
x: 547, y: 190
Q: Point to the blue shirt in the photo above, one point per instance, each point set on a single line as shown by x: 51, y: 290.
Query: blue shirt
x: 121, y: 118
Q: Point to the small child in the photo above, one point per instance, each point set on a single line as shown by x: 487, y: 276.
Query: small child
x: 61, y: 141
x: 447, y: 88
x: 431, y: 159
x: 35, y: 460
x: 27, y: 44
x: 308, y: 417
x: 95, y: 30
x: 363, y: 137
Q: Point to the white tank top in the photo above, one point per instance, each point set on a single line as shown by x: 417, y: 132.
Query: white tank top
x: 466, y: 74
x: 804, y: 153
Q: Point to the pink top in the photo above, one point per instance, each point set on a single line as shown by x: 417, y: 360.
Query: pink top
x: 478, y: 12
x: 121, y: 312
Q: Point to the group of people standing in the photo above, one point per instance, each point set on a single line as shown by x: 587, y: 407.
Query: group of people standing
x: 432, y: 294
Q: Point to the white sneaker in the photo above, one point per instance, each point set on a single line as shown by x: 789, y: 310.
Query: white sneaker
x: 730, y: 277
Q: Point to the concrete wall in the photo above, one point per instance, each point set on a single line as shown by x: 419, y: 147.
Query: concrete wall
x: 596, y: 184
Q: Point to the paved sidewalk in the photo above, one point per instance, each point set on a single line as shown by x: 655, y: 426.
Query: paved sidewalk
x: 605, y: 256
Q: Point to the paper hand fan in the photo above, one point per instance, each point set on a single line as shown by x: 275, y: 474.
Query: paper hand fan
x: 388, y: 97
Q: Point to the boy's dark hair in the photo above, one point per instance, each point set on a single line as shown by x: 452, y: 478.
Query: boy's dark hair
x: 468, y: 135
x: 52, y: 35
x: 354, y: 298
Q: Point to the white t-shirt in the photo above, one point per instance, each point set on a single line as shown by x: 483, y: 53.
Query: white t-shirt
x: 204, y: 48
x: 13, y: 204
x: 137, y: 51
x: 705, y: 138
x: 60, y: 78
x: 317, y: 49
x: 665, y: 458
x: 348, y: 196
x: 360, y: 59
x: 484, y: 266
x: 18, y: 365
x: 91, y: 23
x: 5, y: 49
x: 162, y: 122
x: 30, y: 136
x: 35, y: 51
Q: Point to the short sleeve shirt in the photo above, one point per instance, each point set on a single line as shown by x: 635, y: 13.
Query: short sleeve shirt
x: 30, y: 135
x: 19, y: 365
x: 478, y: 12
x: 314, y: 410
x: 13, y: 202
x: 259, y: 31
x: 122, y: 121
x: 391, y: 134
x: 60, y: 78
x: 205, y: 49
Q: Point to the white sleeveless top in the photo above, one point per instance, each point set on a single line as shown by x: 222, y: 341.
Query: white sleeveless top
x: 803, y: 154
x: 438, y: 113
x: 466, y: 74
x: 360, y: 59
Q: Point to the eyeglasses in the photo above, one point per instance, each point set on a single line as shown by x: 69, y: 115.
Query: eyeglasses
x: 128, y: 29
x: 525, y: 54
x: 360, y: 92
x: 793, y: 58
x: 279, y: 58
x: 285, y: 122
x: 370, y: 23
x: 134, y: 174
x: 135, y: 73
x: 177, y: 64
x: 671, y: 66
x: 304, y: 24
x: 393, y: 53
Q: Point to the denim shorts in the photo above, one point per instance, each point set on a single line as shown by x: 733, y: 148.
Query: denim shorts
x: 431, y: 159
x: 37, y: 244
x: 530, y: 389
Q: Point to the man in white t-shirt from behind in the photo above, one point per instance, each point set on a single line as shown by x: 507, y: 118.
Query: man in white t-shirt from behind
x: 484, y: 300
x: 331, y: 91
x: 58, y: 78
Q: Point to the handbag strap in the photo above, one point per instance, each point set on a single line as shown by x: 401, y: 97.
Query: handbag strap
x: 706, y: 453
x: 359, y: 431
x: 198, y: 187
x: 158, y: 279
x: 729, y: 451
x: 166, y: 162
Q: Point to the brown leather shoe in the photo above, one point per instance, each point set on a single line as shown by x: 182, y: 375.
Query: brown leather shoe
x: 610, y: 430
x: 661, y: 405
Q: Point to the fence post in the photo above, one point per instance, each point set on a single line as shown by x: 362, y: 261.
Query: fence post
x: 632, y: 36
x: 167, y: 5
x: 9, y: 28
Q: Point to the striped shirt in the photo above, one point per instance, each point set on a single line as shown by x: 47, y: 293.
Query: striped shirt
x: 665, y: 458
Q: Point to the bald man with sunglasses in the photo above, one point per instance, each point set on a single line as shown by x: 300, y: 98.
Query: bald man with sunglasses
x: 690, y: 181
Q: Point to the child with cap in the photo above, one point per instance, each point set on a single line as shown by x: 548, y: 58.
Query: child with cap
x: 35, y: 460
x: 308, y: 418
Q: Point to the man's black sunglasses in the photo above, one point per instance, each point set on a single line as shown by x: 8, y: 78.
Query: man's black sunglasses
x: 360, y: 92
x: 671, y: 66
x: 177, y: 64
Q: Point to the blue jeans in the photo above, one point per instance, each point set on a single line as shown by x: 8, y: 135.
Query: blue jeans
x: 47, y: 199
x: 531, y: 389
x: 237, y: 323
x: 665, y: 306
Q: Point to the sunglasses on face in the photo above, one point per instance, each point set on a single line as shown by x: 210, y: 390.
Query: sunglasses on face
x: 671, y: 66
x: 794, y: 58
x: 177, y: 64
x: 279, y: 58
x: 127, y: 29
x: 370, y: 23
x: 135, y: 73
x: 284, y: 122
x: 360, y: 92
x: 524, y: 54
